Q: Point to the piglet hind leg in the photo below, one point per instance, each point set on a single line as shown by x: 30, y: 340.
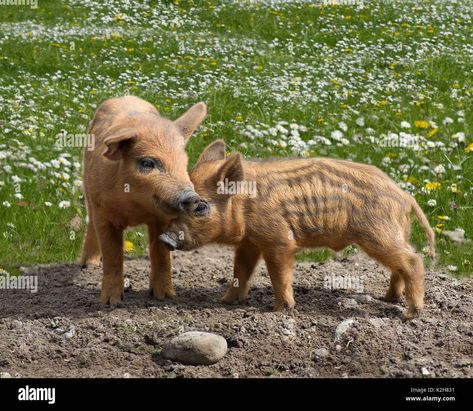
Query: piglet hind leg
x: 396, y: 288
x: 246, y: 258
x: 407, y: 274
x: 280, y: 263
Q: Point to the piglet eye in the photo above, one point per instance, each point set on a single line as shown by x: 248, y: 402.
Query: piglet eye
x: 148, y: 164
x: 202, y: 209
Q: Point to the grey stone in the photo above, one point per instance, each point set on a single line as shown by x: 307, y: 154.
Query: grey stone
x: 342, y: 328
x: 17, y: 324
x: 195, y: 348
x: 322, y: 352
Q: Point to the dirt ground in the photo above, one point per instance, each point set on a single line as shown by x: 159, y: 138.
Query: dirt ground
x: 62, y: 331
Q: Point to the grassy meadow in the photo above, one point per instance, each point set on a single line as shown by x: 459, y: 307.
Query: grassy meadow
x: 387, y: 83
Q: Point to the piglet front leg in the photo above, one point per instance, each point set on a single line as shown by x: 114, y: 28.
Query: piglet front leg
x: 161, y: 280
x: 244, y: 263
x: 111, y: 244
x: 280, y: 262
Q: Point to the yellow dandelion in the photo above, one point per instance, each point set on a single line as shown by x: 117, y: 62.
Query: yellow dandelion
x: 456, y: 86
x: 469, y: 148
x: 439, y: 228
x: 239, y: 118
x: 421, y: 124
x: 432, y: 132
x: 128, y: 246
x: 432, y: 186
x: 443, y: 217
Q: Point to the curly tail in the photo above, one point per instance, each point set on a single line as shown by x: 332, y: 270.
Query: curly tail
x: 427, y: 228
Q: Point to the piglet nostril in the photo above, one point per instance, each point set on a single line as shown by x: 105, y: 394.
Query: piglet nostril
x: 188, y: 201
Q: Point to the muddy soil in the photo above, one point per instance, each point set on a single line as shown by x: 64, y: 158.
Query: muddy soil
x: 62, y: 331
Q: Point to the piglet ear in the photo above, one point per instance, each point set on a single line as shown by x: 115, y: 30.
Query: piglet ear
x: 232, y: 169
x: 214, y: 151
x: 115, y: 143
x: 191, y: 119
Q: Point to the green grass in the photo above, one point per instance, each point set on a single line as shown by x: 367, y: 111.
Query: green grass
x: 385, y: 63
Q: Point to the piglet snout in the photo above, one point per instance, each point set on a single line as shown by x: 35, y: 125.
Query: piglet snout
x: 188, y: 200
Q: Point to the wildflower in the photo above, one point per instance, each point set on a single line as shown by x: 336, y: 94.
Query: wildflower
x: 55, y: 163
x: 447, y: 121
x: 64, y: 204
x: 360, y: 121
x: 385, y: 161
x: 432, y: 132
x: 454, y: 188
x: 6, y: 204
x: 336, y: 135
x: 432, y: 186
x: 128, y: 246
x: 456, y: 86
x: 432, y: 202
x: 239, y: 117
x: 440, y: 169
x: 48, y: 204
x: 443, y: 217
x: 405, y: 124
x: 460, y: 137
x: 343, y: 126
x: 469, y: 148
x: 421, y: 124
x: 452, y: 268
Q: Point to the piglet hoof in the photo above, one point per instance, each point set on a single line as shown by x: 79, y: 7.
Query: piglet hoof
x: 232, y: 296
x: 111, y: 297
x: 89, y: 262
x: 392, y: 298
x: 284, y: 306
x: 411, y: 314
x: 161, y: 293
